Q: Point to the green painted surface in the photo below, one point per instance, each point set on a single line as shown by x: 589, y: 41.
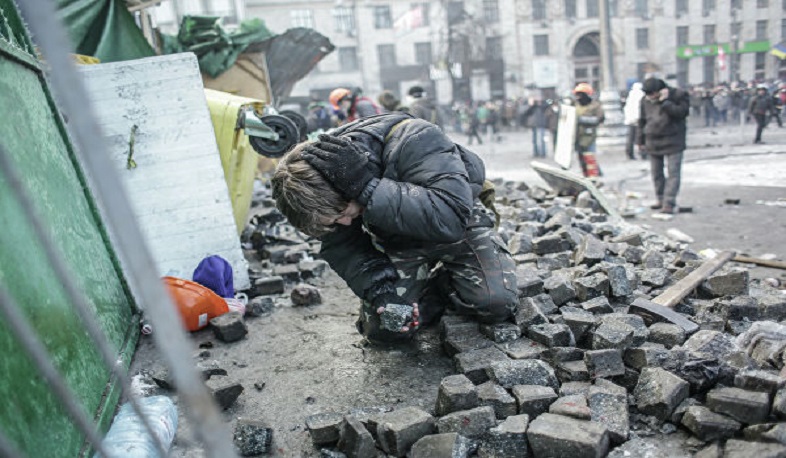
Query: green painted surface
x: 690, y: 51
x: 33, y: 135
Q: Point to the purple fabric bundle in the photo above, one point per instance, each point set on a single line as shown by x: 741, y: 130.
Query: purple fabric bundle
x: 215, y: 273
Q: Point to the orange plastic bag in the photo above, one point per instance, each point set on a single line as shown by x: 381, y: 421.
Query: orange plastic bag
x: 197, y: 304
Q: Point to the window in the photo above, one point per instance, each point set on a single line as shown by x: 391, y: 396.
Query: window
x: 570, y: 9
x: 642, y: 38
x: 783, y: 29
x: 344, y: 18
x: 456, y: 12
x: 494, y: 48
x: 682, y: 35
x: 762, y: 4
x: 302, y: 18
x: 423, y: 53
x: 348, y: 58
x: 382, y: 19
x: 541, y: 45
x: 538, y: 10
x: 592, y: 8
x: 424, y: 13
x: 642, y: 9
x: 490, y: 10
x: 708, y: 64
x: 387, y: 55
x: 707, y: 6
x: 612, y: 8
x: 709, y: 34
x: 736, y: 4
x: 681, y: 7
x: 761, y: 30
x: 736, y: 30
x: 761, y: 58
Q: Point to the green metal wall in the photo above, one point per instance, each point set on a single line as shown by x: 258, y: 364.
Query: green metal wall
x: 33, y: 133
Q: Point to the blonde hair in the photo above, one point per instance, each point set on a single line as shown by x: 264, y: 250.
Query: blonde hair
x: 304, y: 196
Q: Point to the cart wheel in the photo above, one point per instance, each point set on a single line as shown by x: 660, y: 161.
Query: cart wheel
x: 300, y: 122
x: 287, y: 137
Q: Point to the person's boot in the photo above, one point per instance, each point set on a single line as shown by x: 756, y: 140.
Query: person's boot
x: 657, y: 205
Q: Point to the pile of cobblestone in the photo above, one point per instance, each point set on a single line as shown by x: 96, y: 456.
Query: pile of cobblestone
x: 578, y: 373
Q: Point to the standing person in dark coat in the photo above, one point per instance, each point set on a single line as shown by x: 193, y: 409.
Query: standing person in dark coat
x: 535, y: 118
x: 761, y: 107
x: 423, y: 107
x: 662, y: 130
x: 391, y: 197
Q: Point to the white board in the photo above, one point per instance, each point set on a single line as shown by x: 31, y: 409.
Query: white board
x: 177, y: 190
x: 566, y: 136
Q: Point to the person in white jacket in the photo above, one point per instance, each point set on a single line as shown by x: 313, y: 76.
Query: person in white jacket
x: 632, y: 112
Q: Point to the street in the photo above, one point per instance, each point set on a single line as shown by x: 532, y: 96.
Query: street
x: 720, y: 163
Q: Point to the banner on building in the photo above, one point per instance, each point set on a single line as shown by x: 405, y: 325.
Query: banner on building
x: 544, y: 73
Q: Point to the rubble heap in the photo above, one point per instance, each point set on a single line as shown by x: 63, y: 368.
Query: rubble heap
x: 580, y: 373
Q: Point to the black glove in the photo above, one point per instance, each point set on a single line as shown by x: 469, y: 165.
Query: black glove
x: 343, y: 164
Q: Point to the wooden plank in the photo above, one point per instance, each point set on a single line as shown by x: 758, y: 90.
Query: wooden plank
x: 682, y: 288
x: 761, y: 262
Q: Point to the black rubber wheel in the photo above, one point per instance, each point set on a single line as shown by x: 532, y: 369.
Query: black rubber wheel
x: 300, y: 123
x: 288, y: 137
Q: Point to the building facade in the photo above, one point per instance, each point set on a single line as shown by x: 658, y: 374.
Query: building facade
x: 484, y: 49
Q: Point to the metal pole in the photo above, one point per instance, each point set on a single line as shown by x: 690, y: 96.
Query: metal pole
x: 126, y: 235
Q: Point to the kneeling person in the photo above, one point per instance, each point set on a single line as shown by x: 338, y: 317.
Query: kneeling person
x: 396, y: 205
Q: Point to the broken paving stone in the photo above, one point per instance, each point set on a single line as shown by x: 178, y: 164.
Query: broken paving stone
x: 608, y: 404
x: 591, y: 287
x: 545, y: 304
x: 735, y: 448
x: 467, y: 341
x: 397, y: 431
x: 289, y: 272
x: 260, y: 306
x: 572, y: 371
x: 647, y: 355
x: 766, y: 432
x: 772, y: 307
x: 550, y: 244
x: 613, y: 335
x: 590, y: 251
x: 252, y: 438
x: 551, y: 335
x: 224, y: 391
x: 659, y: 392
x: 619, y: 285
x: 559, y: 436
x: 305, y: 295
x: 597, y: 305
x: 571, y: 388
x: 779, y: 404
x: 506, y: 440
x: 560, y: 289
x: 493, y: 395
x: 676, y: 416
x: 395, y: 316
x: 448, y: 445
x: 744, y: 308
x: 640, y: 331
x: 759, y: 380
x: 533, y: 400
x: 474, y: 363
x: 633, y: 239
x: 708, y: 425
x: 667, y: 334
x: 473, y: 423
x: 520, y: 243
x: 522, y: 348
x: 311, y: 269
x: 701, y: 370
x: 557, y: 355
x: 715, y: 343
x: 229, y: 327
x: 655, y: 276
x: 732, y: 283
x: 579, y: 321
x: 633, y: 254
x: 554, y: 261
x: 742, y: 405
x: 528, y: 282
x: 501, y: 332
x: 528, y: 314
x: 571, y: 406
x: 653, y: 259
x: 324, y: 427
x: 327, y: 453
x: 456, y: 392
x: 355, y: 441
x: 522, y: 372
x: 604, y: 363
x: 267, y: 286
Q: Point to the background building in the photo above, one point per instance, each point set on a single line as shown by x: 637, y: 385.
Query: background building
x: 483, y: 49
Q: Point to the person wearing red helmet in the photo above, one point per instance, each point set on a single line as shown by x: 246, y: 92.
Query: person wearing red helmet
x: 350, y: 105
x: 589, y: 114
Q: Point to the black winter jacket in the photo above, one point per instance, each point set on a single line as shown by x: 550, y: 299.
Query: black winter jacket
x: 426, y: 187
x: 425, y: 109
x: 662, y: 125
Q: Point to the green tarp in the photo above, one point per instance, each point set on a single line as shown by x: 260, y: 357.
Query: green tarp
x: 103, y: 29
x: 216, y: 49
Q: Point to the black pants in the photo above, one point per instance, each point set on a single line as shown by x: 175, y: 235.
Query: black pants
x: 666, y: 186
x: 761, y: 123
x: 630, y: 142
